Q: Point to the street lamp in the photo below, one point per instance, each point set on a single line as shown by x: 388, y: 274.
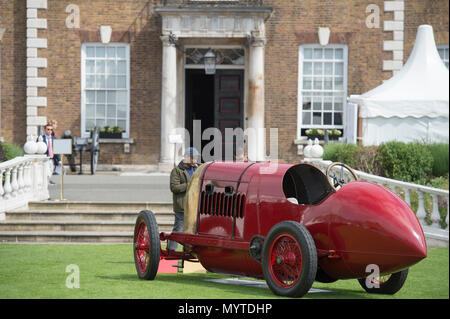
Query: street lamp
x: 210, y: 62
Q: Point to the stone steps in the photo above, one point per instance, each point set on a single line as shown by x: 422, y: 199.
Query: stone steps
x: 65, y: 237
x: 64, y: 225
x: 98, y: 206
x: 79, y: 222
x: 87, y: 215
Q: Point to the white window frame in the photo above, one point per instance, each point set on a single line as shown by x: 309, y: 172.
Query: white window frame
x: 301, y: 126
x: 84, y: 47
x: 443, y: 47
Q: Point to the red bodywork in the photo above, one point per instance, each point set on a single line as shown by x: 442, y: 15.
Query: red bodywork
x: 358, y: 225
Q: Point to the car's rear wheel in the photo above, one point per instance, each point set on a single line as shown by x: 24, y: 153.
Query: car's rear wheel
x: 146, y: 245
x: 388, y: 285
x: 289, y: 259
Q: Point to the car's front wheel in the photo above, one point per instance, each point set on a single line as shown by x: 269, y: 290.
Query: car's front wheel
x: 388, y: 285
x: 289, y: 259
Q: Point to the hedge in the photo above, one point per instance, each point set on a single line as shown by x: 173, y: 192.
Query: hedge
x: 440, y: 152
x: 402, y: 161
x: 408, y: 162
x: 9, y: 151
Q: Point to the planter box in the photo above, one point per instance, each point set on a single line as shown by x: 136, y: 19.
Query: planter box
x: 333, y: 137
x: 322, y: 137
x: 110, y: 135
x: 313, y: 137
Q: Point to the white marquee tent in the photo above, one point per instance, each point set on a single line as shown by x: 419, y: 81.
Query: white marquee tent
x: 413, y: 104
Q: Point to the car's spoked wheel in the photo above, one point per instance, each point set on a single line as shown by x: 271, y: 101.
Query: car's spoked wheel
x: 285, y: 264
x: 289, y: 259
x: 388, y: 284
x: 146, y: 245
x: 381, y: 280
x: 142, y: 247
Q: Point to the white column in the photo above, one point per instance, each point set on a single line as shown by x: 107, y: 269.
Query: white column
x: 168, y: 101
x: 2, y: 191
x: 7, y: 186
x: 14, y: 184
x: 255, y: 106
x: 20, y: 180
x: 34, y: 63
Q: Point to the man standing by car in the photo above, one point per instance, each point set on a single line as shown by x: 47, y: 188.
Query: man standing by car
x: 179, y: 180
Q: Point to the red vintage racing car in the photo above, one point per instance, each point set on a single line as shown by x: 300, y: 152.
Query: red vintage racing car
x: 290, y: 224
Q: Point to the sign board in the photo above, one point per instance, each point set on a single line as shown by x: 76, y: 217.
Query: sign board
x: 176, y: 139
x: 62, y: 146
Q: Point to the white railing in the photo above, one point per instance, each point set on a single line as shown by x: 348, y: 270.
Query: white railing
x: 23, y: 179
x: 427, y: 199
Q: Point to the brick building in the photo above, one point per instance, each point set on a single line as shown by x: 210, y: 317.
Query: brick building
x: 137, y: 64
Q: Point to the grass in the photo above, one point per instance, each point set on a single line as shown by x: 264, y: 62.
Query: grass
x: 108, y: 272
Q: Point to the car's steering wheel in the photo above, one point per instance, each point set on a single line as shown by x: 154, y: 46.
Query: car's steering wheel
x: 338, y: 181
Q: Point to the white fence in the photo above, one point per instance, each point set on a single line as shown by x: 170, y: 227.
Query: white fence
x: 23, y: 179
x: 427, y: 200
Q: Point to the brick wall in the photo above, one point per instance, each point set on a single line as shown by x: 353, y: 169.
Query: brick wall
x: 13, y: 75
x: 296, y: 22
x: 293, y: 23
x: 432, y: 12
x: 131, y: 22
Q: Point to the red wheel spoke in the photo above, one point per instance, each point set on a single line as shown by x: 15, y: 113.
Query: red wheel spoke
x: 285, y: 260
x: 293, y: 273
x: 142, y: 247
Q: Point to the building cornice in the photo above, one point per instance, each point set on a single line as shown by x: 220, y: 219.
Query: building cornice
x: 214, y: 10
x: 208, y: 22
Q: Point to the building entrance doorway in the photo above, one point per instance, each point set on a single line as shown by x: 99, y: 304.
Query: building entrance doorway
x: 216, y: 100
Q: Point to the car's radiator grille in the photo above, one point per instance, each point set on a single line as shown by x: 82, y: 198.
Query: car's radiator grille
x: 221, y: 204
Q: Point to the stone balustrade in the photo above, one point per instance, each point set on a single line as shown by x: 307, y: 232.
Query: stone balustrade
x: 23, y: 179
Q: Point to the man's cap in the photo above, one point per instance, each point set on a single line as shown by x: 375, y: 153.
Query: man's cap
x: 191, y: 152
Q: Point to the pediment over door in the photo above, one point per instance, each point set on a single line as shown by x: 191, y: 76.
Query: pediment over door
x: 214, y: 22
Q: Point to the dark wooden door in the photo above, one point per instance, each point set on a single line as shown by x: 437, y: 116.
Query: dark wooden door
x: 228, y: 103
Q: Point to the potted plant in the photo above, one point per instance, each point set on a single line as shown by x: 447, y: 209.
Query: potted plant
x: 111, y: 132
x: 334, y: 134
x: 315, y: 133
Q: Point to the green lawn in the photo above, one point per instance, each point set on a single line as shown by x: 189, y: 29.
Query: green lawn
x: 108, y: 271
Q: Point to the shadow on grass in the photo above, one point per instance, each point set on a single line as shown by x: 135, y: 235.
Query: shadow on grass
x: 198, y: 282
x: 339, y: 293
x: 259, y: 292
x: 121, y: 277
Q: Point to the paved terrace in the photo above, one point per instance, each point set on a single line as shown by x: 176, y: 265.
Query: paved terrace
x: 113, y: 186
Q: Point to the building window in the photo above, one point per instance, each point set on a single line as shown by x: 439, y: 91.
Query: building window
x: 105, y: 87
x: 443, y: 52
x: 322, y: 87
